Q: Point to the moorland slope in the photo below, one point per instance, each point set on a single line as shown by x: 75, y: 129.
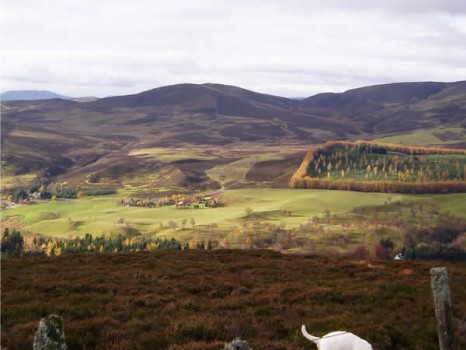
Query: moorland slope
x: 68, y: 140
x: 202, y: 299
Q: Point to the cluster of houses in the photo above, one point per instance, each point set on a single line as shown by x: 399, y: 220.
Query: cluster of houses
x: 180, y: 201
x: 25, y: 199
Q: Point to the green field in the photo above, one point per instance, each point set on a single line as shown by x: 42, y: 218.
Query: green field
x: 426, y: 137
x: 291, y: 210
x: 236, y: 171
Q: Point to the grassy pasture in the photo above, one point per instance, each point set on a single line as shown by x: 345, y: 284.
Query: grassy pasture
x: 426, y: 137
x: 67, y: 219
x: 236, y: 171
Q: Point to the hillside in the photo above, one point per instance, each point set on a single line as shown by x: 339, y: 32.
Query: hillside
x: 69, y: 140
x: 202, y: 299
x: 395, y: 107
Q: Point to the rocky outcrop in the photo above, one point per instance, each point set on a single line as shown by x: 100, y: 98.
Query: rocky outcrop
x: 51, y: 334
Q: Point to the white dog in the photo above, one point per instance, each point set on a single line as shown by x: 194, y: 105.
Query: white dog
x: 338, y: 341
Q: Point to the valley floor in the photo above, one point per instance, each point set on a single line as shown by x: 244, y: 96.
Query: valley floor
x: 283, y: 219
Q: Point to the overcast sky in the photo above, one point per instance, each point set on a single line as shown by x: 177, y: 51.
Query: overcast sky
x: 285, y: 47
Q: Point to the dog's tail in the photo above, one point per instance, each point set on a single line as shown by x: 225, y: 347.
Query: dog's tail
x: 308, y: 336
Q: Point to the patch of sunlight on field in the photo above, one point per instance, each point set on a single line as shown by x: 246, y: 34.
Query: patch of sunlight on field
x: 37, y: 135
x: 169, y: 154
x: 147, y: 181
x: 303, y: 204
x: 61, y: 227
x: 454, y: 203
x: 17, y: 180
x: 236, y: 171
x: 426, y: 137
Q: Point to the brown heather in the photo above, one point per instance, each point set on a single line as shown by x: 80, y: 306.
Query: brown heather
x: 202, y: 299
x: 300, y: 179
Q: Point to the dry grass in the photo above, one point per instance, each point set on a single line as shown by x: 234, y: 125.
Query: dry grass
x: 200, y: 299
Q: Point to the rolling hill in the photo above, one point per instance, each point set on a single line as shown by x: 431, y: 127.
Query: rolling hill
x: 395, y: 107
x: 71, y: 139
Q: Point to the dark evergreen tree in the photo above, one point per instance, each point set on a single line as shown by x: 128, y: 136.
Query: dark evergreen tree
x: 12, y: 243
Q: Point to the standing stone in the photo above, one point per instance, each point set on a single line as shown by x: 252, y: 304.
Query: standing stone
x: 51, y: 334
x: 443, y: 309
x: 237, y: 344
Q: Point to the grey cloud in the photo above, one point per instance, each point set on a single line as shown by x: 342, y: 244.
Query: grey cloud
x: 294, y: 48
x: 399, y: 7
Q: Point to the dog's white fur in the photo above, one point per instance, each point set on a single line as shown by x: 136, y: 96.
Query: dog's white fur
x: 338, y: 341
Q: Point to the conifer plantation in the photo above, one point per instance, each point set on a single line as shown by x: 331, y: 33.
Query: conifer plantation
x: 374, y: 167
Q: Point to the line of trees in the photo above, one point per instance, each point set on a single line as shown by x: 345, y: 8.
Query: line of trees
x: 446, y: 242
x: 101, y: 244
x: 451, y: 186
x: 14, y: 244
x: 412, y: 150
x: 42, y: 189
x: 434, y: 252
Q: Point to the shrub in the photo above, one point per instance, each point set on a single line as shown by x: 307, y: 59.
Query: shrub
x: 98, y: 191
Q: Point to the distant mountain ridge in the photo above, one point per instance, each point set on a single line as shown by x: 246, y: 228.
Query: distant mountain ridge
x: 36, y: 95
x: 30, y: 95
x: 363, y: 111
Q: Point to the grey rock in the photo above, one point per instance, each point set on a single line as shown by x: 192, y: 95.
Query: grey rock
x: 237, y: 344
x: 51, y: 334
